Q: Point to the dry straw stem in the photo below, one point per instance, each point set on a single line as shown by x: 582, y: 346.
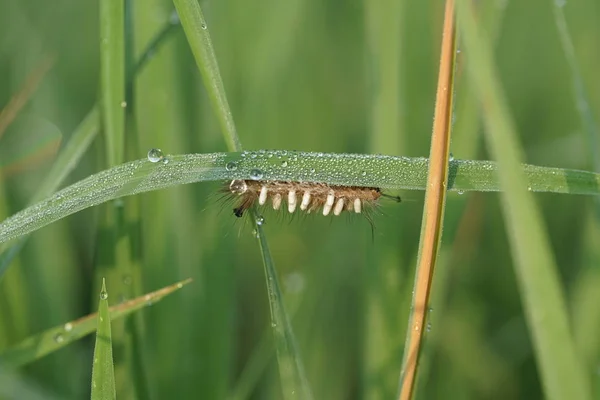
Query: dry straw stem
x: 435, y: 199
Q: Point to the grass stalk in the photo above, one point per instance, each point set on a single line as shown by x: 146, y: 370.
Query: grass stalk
x: 561, y: 372
x: 103, y: 374
x: 293, y: 379
x: 435, y: 202
x: 112, y: 78
x: 39, y: 345
x: 196, y: 31
x: 291, y: 371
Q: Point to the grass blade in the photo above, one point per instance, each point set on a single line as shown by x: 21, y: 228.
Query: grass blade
x: 560, y: 370
x: 366, y: 170
x: 291, y: 371
x: 579, y: 93
x: 77, y: 146
x: 112, y: 77
x: 433, y: 211
x: 44, y: 343
x: 196, y: 31
x: 103, y: 374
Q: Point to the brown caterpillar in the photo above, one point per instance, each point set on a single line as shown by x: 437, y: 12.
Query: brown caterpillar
x: 306, y: 196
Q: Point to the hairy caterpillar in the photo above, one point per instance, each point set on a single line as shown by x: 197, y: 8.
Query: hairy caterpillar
x: 306, y: 196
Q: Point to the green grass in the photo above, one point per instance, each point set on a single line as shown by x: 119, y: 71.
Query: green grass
x: 307, y: 76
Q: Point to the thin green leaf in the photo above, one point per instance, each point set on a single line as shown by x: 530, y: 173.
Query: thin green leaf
x: 579, y: 93
x: 112, y: 77
x: 561, y: 371
x: 76, y: 147
x: 44, y: 343
x: 196, y: 31
x: 386, y: 172
x: 103, y: 374
x: 291, y: 371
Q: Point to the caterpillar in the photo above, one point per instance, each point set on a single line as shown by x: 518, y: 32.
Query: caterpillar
x: 306, y: 196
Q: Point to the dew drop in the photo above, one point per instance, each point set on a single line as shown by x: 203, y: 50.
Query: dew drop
x: 155, y: 155
x: 364, y: 173
x: 203, y: 26
x: 59, y: 338
x: 461, y: 192
x: 256, y: 174
x: 255, y: 233
x: 451, y: 157
x: 165, y: 161
x: 174, y: 18
x: 260, y: 220
x: 123, y: 104
x: 68, y: 327
x: 179, y: 285
x: 429, y: 327
x: 312, y: 171
x: 273, y: 325
x: 103, y: 295
x: 231, y: 166
x: 284, y: 164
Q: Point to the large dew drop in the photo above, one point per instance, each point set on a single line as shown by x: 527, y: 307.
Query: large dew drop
x: 155, y: 155
x: 256, y: 174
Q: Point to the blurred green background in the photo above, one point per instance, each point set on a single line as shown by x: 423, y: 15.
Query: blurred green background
x: 331, y: 76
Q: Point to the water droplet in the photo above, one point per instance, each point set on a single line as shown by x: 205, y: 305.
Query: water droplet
x: 429, y: 327
x: 165, y: 160
x: 312, y: 171
x: 103, y: 295
x: 529, y: 188
x: 123, y: 104
x: 273, y: 325
x: 155, y: 155
x: 255, y: 233
x: 451, y: 157
x: 174, y: 18
x: 59, y: 338
x: 458, y: 51
x: 68, y: 326
x: 179, y: 285
x: 461, y: 192
x: 256, y: 174
x: 231, y: 166
x: 260, y: 220
x: 284, y: 164
x: 203, y: 26
x: 364, y: 173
